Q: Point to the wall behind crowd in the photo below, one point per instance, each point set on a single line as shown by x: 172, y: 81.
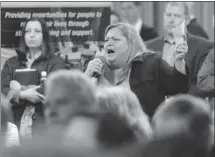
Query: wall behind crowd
x: 152, y: 15
x: 75, y: 27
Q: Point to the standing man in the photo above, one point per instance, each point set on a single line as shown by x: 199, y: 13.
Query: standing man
x: 198, y: 48
x: 130, y: 12
x: 193, y: 26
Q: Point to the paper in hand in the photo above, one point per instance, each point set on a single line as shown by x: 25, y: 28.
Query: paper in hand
x: 179, y: 33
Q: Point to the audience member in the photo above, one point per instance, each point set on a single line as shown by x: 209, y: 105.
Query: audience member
x: 130, y: 12
x: 129, y: 64
x: 193, y: 26
x: 114, y: 132
x: 189, y: 116
x: 205, y: 78
x: 82, y: 130
x: 124, y: 103
x: 114, y: 17
x: 196, y: 48
x: 36, y: 53
x: 68, y: 92
x: 105, y: 132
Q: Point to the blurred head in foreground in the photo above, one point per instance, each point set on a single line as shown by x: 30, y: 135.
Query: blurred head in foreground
x: 125, y: 104
x: 68, y: 92
x: 188, y: 116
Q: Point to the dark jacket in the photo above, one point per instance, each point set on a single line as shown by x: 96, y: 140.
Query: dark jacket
x: 198, y: 49
x: 147, y: 33
x: 48, y: 64
x: 205, y: 78
x: 194, y: 28
x: 152, y: 78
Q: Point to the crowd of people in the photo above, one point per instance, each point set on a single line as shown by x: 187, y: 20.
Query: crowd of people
x: 143, y: 95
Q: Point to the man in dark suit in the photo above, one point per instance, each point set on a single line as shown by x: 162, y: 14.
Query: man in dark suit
x: 131, y: 14
x: 193, y: 27
x: 198, y: 47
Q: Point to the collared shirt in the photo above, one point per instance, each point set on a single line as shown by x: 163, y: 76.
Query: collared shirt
x: 168, y: 49
x: 138, y: 25
x: 31, y: 60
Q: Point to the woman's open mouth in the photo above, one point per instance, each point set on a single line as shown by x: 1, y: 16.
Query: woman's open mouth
x: 110, y: 51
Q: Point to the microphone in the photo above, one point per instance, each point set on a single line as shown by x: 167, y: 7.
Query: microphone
x: 95, y: 74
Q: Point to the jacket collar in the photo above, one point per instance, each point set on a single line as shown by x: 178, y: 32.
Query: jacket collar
x: 193, y: 21
x: 139, y: 72
x: 23, y: 58
x: 139, y: 58
x: 159, y: 43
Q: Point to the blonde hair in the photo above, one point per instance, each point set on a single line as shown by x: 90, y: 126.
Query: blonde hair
x: 77, y: 90
x: 135, y: 44
x: 124, y: 103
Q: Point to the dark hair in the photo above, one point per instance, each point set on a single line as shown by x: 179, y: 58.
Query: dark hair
x: 113, y: 132
x: 194, y: 110
x: 136, y: 3
x: 191, y: 107
x: 47, y: 47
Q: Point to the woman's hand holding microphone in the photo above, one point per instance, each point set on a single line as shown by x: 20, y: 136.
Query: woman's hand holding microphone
x: 95, y: 66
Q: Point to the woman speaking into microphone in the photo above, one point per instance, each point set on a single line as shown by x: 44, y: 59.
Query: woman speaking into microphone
x: 128, y: 63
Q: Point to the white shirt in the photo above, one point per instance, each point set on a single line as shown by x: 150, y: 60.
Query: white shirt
x: 12, y: 135
x: 168, y: 50
x: 31, y: 60
x: 138, y: 25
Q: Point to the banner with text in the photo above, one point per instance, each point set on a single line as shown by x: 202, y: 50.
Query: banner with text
x: 77, y: 24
